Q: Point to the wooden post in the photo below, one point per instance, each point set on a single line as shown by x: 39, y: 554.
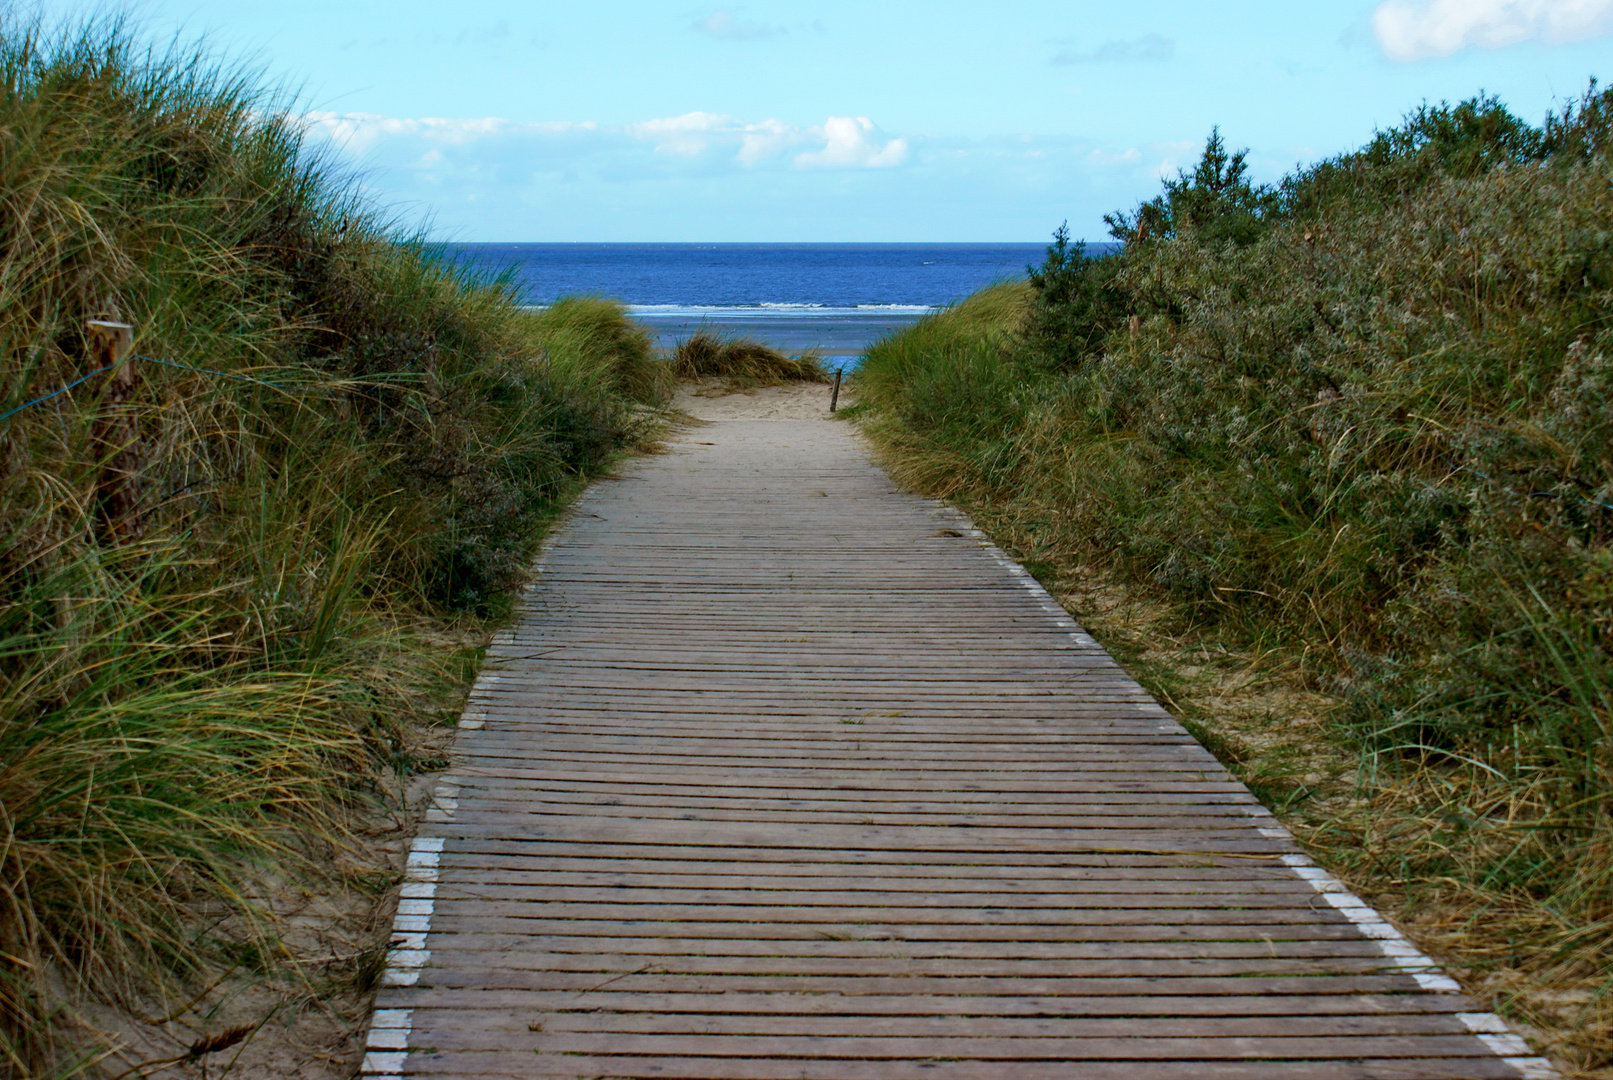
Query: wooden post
x: 116, y: 431
x: 834, y: 397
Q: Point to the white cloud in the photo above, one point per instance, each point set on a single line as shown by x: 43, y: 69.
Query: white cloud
x: 706, y: 141
x: 500, y: 179
x: 763, y: 140
x: 1417, y: 29
x: 844, y: 142
x: 689, y: 135
x: 1170, y: 156
x: 1103, y: 157
x: 357, y: 132
x: 850, y: 143
x: 726, y: 25
x: 693, y: 134
x: 1150, y: 48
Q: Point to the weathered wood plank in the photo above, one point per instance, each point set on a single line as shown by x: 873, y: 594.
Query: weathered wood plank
x: 474, y: 976
x: 571, y: 1067
x: 729, y: 1022
x: 471, y: 900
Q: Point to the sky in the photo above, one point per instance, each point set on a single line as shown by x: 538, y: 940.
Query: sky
x: 823, y: 120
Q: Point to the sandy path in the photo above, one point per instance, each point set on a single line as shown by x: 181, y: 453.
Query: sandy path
x: 707, y: 400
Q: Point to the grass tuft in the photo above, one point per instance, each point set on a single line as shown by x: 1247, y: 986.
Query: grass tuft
x: 742, y: 362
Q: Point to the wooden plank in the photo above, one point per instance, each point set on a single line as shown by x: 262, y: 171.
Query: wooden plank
x: 1223, y: 1009
x: 748, y: 834
x: 871, y: 772
x: 478, y: 940
x: 939, y: 890
x: 888, y: 780
x: 846, y: 857
x: 1259, y: 934
x: 571, y: 1067
x: 1105, y: 736
x: 978, y: 816
x: 1020, y: 808
x: 750, y: 743
x: 625, y: 868
x: 474, y: 976
x: 495, y: 964
x: 715, y: 1021
x: 472, y: 900
x: 897, y: 1048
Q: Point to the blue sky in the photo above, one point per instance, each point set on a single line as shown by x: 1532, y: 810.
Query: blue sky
x: 866, y: 121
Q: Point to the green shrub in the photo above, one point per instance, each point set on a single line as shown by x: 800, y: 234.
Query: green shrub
x: 1215, y: 204
x: 1372, y: 434
x: 1461, y: 142
x: 1076, y: 306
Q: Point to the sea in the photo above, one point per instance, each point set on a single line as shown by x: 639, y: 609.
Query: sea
x: 836, y: 298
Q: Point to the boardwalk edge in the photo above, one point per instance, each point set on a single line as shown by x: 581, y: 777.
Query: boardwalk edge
x: 1490, y: 1028
x: 386, y: 1047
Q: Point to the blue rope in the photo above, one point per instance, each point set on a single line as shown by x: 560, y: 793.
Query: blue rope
x: 6, y: 416
x: 53, y: 393
x: 1534, y: 494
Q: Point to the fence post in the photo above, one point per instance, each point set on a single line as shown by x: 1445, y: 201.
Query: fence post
x: 115, y: 434
x: 834, y: 397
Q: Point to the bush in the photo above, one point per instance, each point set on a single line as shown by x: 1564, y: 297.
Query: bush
x: 1215, y: 204
x: 1076, y: 304
x: 1372, y: 433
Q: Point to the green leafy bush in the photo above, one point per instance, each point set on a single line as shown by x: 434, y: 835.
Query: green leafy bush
x: 1076, y: 305
x: 1215, y: 204
x: 1365, y: 424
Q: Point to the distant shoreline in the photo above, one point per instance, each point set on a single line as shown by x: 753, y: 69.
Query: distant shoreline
x: 833, y: 332
x: 744, y: 275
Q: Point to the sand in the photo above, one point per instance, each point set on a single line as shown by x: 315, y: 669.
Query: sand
x: 708, y: 400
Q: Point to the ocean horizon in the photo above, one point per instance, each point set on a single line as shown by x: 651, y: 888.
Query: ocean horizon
x: 836, y: 298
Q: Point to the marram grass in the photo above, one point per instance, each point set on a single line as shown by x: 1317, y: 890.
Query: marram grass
x: 340, y: 443
x: 742, y: 362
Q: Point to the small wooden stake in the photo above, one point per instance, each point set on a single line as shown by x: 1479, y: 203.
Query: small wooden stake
x: 116, y: 431
x: 834, y: 397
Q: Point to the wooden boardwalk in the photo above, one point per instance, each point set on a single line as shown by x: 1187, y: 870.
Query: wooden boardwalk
x: 787, y: 774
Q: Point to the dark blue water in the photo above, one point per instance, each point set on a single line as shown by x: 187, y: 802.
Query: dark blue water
x: 834, y: 297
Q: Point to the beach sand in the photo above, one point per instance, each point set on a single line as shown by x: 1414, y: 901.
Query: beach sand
x: 707, y: 400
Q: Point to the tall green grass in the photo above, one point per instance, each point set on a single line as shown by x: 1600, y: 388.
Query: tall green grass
x: 742, y: 362
x: 1362, y: 420
x: 342, y: 442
